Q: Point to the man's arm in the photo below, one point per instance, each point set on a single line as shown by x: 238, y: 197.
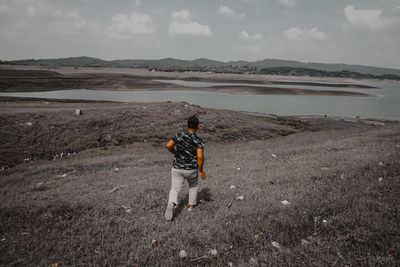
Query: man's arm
x: 200, y: 160
x: 170, y: 146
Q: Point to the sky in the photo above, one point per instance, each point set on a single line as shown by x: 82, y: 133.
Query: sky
x: 365, y: 32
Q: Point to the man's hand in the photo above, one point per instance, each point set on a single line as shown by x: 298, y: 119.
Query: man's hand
x: 203, y: 175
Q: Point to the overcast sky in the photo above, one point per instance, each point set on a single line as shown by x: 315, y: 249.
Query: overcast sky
x: 331, y: 31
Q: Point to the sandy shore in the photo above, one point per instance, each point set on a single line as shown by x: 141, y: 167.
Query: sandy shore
x: 30, y: 79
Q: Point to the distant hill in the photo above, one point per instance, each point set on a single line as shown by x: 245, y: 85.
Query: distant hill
x: 206, y: 64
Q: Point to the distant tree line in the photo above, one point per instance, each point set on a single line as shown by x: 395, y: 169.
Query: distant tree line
x: 284, y: 71
x: 205, y: 65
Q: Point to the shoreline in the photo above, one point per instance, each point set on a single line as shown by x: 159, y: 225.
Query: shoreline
x: 44, y: 79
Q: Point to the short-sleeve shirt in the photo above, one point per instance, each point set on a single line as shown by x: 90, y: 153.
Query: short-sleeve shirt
x: 186, y: 145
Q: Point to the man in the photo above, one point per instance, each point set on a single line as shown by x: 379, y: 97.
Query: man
x: 188, y: 149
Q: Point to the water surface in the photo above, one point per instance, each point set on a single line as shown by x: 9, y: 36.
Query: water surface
x: 385, y: 106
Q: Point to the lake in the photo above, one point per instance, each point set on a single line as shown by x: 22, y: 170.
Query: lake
x: 385, y: 106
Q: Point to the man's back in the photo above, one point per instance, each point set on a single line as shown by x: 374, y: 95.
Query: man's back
x: 186, y: 146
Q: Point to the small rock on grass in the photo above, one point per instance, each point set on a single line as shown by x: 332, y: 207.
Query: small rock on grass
x: 304, y: 242
x: 232, y: 187
x: 380, y: 179
x: 380, y: 164
x: 213, y: 252
x: 182, y: 254
x: 127, y: 209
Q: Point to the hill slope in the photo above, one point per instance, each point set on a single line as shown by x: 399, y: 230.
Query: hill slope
x: 203, y: 62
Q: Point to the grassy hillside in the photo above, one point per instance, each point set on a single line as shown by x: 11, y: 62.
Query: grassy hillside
x: 104, y: 206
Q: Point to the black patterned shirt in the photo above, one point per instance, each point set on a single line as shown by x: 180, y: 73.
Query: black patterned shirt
x: 186, y: 146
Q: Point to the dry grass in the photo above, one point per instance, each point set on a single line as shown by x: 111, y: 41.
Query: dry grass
x: 330, y: 175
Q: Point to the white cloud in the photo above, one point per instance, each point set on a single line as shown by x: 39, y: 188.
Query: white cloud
x: 189, y: 28
x: 136, y: 23
x: 243, y: 35
x: 138, y: 3
x: 288, y: 3
x: 224, y: 10
x: 181, y: 24
x: 181, y: 15
x: 368, y: 18
x: 299, y: 34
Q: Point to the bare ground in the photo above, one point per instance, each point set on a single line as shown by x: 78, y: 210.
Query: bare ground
x: 104, y: 204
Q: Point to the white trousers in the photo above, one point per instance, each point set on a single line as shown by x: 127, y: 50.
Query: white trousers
x: 178, y: 178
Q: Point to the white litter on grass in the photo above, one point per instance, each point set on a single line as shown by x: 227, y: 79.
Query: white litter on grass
x: 324, y: 221
x: 239, y: 197
x: 230, y: 264
x: 116, y: 169
x: 3, y: 239
x: 324, y: 168
x: 380, y: 179
x: 397, y: 146
x: 273, y: 155
x: 29, y: 123
x: 182, y: 254
x: 232, y: 187
x: 154, y: 242
x: 64, y: 175
x: 238, y: 169
x: 342, y: 176
x: 380, y: 163
x: 285, y: 202
x: 127, y: 209
x: 213, y: 252
x: 276, y: 244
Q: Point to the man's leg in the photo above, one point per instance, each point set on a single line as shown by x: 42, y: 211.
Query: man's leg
x: 176, y: 186
x: 193, y: 178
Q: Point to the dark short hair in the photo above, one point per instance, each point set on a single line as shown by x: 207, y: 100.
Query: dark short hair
x: 193, y: 122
